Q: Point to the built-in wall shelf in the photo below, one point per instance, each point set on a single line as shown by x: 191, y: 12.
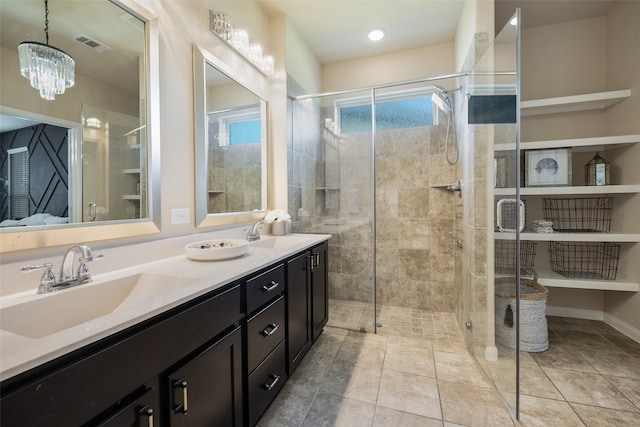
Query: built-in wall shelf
x: 572, y: 237
x: 132, y: 197
x: 554, y: 280
x: 133, y: 171
x: 551, y: 279
x: 569, y: 191
x: 565, y: 104
x: 601, y: 143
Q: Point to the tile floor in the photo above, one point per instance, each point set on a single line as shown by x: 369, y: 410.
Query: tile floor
x: 589, y: 376
x: 417, y: 372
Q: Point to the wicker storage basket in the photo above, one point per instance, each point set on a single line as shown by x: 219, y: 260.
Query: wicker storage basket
x: 534, y: 336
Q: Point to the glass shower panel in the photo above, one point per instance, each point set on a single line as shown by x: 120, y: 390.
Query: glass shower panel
x: 331, y: 192
x: 493, y: 115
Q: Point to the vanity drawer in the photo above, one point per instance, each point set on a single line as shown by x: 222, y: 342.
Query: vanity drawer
x: 264, y: 287
x: 265, y: 383
x: 265, y: 330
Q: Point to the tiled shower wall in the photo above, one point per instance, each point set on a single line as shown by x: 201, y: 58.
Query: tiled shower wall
x: 234, y: 176
x: 417, y: 231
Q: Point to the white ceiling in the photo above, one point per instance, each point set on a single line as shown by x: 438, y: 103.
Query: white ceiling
x: 336, y: 30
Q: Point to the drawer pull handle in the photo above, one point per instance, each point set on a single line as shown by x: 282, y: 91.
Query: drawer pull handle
x: 316, y: 259
x: 275, y: 378
x: 274, y: 285
x: 146, y: 411
x: 268, y: 332
x: 183, y: 407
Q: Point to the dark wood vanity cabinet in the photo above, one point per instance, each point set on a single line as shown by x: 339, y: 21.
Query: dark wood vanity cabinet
x: 136, y: 411
x: 218, y: 360
x: 206, y: 390
x: 307, y: 301
x: 319, y: 289
x: 92, y: 385
x: 265, y: 357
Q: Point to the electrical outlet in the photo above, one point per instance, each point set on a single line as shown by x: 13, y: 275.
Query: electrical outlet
x: 180, y: 216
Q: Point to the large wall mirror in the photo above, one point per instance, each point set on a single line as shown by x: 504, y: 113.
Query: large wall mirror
x: 231, y: 143
x: 81, y: 166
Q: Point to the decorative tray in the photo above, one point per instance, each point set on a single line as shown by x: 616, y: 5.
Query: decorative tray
x: 215, y: 250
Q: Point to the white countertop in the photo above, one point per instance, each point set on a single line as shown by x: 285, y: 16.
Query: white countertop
x: 20, y: 353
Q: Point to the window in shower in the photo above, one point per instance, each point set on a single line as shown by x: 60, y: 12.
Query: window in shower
x: 238, y: 127
x: 396, y: 110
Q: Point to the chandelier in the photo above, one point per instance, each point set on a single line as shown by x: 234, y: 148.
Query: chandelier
x: 48, y: 69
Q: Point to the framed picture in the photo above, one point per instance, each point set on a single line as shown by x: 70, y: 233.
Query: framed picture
x: 548, y: 168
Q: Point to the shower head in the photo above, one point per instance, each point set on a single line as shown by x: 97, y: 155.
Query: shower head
x: 442, y: 99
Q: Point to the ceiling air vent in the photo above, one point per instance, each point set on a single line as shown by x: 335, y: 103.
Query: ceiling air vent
x: 93, y: 44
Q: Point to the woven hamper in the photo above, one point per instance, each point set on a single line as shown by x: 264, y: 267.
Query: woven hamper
x: 534, y: 336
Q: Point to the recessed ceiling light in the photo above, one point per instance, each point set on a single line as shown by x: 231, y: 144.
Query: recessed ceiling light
x: 377, y: 34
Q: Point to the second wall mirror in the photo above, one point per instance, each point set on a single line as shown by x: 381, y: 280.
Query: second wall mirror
x: 231, y: 143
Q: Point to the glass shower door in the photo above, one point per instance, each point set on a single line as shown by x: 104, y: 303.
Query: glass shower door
x: 493, y: 109
x: 331, y: 192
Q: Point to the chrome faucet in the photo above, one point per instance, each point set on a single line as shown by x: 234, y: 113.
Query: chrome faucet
x: 82, y: 272
x: 254, y: 233
x: 69, y: 276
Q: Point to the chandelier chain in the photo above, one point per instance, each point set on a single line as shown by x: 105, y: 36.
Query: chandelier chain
x: 46, y: 20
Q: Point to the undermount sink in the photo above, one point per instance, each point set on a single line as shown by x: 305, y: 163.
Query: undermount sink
x: 60, y: 310
x: 279, y: 242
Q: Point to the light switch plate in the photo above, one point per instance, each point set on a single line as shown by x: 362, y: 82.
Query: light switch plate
x: 180, y: 216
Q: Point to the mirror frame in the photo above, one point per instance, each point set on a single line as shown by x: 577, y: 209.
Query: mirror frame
x: 254, y: 82
x: 46, y: 236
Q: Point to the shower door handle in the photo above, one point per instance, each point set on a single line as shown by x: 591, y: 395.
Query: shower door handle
x: 92, y: 211
x: 507, y: 210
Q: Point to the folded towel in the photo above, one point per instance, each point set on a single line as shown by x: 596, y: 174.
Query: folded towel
x: 542, y: 226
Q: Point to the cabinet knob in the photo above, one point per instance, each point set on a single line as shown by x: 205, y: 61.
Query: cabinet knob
x: 268, y: 332
x: 274, y: 380
x: 183, y: 407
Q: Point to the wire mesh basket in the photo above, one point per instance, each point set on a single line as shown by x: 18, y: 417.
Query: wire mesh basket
x: 585, y: 260
x: 579, y: 215
x: 505, y: 255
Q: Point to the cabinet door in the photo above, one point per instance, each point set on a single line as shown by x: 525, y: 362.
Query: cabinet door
x: 298, y: 310
x: 207, y: 390
x: 320, y: 295
x: 138, y: 411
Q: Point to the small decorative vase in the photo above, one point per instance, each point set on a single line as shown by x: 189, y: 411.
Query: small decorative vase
x: 278, y: 228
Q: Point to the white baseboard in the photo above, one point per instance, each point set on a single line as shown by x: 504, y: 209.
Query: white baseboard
x: 625, y: 328
x: 576, y: 313
x: 614, y: 322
